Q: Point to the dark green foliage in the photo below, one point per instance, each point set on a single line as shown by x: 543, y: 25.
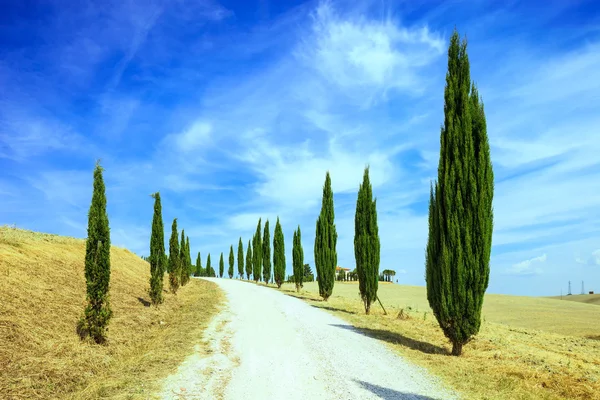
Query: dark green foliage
x: 298, y: 259
x: 249, y: 261
x: 210, y: 272
x: 157, y: 253
x: 366, y: 243
x: 308, y: 274
x: 174, y: 259
x: 240, y: 258
x: 183, y: 260
x: 231, y: 262
x: 325, y: 243
x: 266, y: 254
x: 97, y: 313
x: 257, y: 253
x: 460, y: 208
x: 278, y: 255
x: 198, y: 266
x: 221, y: 266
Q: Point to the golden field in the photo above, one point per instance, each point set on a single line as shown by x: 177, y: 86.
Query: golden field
x: 42, y: 295
x: 528, y: 348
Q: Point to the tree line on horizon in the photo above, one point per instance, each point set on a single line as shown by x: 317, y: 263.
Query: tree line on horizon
x: 457, y: 251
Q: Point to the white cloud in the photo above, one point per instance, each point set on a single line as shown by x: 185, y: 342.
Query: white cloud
x: 528, y: 267
x: 194, y: 137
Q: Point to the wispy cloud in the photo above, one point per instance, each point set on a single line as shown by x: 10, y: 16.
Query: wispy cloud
x: 528, y: 267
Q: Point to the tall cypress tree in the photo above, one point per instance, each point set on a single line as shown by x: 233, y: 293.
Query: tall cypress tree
x: 221, y: 266
x: 182, y: 260
x: 366, y: 243
x: 174, y: 259
x: 198, y: 265
x: 278, y: 255
x: 249, y: 261
x: 188, y: 259
x: 298, y: 259
x: 266, y: 254
x: 209, y: 269
x: 325, y: 243
x: 157, y: 252
x: 231, y: 262
x: 460, y: 207
x: 257, y: 253
x: 97, y: 313
x: 240, y: 257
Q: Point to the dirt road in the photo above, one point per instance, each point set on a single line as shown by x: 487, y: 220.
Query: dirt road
x: 266, y: 345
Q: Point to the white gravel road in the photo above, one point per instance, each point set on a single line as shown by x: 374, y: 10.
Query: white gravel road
x: 266, y: 345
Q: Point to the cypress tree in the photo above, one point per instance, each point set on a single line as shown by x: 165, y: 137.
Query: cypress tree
x: 157, y: 252
x: 249, y: 260
x: 174, y: 259
x: 366, y: 243
x: 298, y: 259
x: 97, y: 313
x: 209, y: 270
x: 198, y: 265
x: 188, y: 259
x: 231, y: 262
x: 182, y: 260
x: 257, y: 254
x: 460, y: 207
x: 266, y: 254
x: 221, y: 266
x: 278, y: 255
x: 325, y: 243
x: 240, y: 258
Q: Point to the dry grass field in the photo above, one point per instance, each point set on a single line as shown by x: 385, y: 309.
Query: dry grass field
x: 528, y: 348
x: 580, y: 298
x: 42, y: 295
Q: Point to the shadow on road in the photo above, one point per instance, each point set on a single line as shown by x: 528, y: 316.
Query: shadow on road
x: 396, y: 338
x: 333, y: 309
x: 391, y: 394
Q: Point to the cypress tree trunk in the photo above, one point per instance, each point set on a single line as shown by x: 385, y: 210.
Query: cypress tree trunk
x: 278, y: 254
x: 298, y: 259
x: 231, y: 262
x: 325, y: 243
x: 240, y: 258
x: 257, y: 254
x: 221, y: 266
x: 157, y: 252
x: 198, y: 265
x: 97, y: 313
x: 366, y: 243
x: 174, y: 262
x: 249, y: 259
x: 266, y: 254
x: 460, y: 208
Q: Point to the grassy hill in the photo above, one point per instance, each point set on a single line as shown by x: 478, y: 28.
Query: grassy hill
x: 528, y: 348
x: 42, y: 295
x: 580, y: 298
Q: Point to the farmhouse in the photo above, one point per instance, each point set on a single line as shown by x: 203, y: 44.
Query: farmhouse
x: 346, y: 271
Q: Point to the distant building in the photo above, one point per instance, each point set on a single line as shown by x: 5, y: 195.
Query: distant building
x: 346, y: 271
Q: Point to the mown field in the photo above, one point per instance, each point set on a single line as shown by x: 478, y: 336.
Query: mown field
x: 528, y: 348
x: 580, y: 298
x: 42, y: 295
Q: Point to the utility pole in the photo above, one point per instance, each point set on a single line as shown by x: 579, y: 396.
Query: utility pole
x: 582, y: 291
x: 569, y: 293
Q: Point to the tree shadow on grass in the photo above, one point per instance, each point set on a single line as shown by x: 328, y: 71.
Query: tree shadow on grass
x: 390, y: 394
x: 304, y: 297
x: 333, y: 309
x: 145, y: 302
x: 396, y: 338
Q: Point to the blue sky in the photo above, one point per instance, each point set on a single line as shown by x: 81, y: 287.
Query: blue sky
x: 235, y: 111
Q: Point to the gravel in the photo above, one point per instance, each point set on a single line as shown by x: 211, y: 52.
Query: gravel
x: 266, y: 345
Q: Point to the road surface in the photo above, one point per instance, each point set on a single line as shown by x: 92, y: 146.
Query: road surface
x: 267, y: 345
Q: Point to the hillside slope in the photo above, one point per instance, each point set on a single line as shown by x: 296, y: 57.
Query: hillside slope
x: 580, y: 298
x: 42, y: 295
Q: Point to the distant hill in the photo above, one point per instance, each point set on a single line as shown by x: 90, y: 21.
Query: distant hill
x: 581, y: 298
